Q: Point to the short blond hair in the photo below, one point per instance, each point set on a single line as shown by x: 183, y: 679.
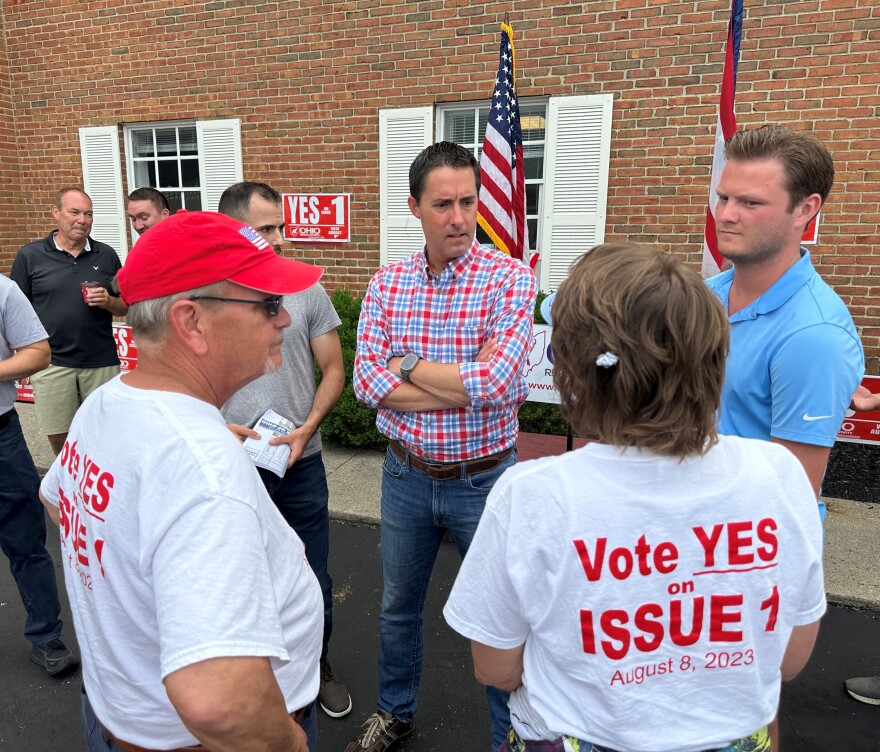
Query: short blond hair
x: 670, y: 335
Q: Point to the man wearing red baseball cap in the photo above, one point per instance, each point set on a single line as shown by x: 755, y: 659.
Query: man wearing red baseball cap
x: 199, y: 620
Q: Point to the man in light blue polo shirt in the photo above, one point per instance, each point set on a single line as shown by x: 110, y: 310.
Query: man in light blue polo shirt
x: 795, y: 357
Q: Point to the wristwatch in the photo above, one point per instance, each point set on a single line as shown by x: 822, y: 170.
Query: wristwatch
x: 407, y: 364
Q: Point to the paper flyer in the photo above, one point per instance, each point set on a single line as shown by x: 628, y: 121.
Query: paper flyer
x: 272, y: 458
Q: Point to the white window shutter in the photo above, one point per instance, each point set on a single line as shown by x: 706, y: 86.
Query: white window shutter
x: 220, y: 158
x: 102, y: 180
x: 576, y: 182
x: 402, y: 135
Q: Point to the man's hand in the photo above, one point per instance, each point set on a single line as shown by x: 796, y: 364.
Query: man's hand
x: 242, y: 432
x: 488, y: 349
x: 99, y: 297
x: 393, y: 364
x: 296, y: 440
x: 864, y: 401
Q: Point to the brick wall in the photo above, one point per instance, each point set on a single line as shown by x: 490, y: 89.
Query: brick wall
x: 307, y: 80
x: 10, y: 178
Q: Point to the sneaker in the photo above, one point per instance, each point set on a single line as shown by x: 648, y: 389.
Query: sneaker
x: 54, y: 656
x: 381, y: 731
x: 864, y: 689
x: 333, y: 697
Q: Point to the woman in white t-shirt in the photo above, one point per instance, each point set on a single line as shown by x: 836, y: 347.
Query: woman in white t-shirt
x: 649, y: 591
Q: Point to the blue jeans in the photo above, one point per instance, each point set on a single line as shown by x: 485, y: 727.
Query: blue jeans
x: 302, y: 497
x: 416, y: 513
x: 23, y: 534
x: 97, y: 741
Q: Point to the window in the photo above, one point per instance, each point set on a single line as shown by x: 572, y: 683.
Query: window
x: 165, y: 157
x: 467, y: 126
x: 566, y: 150
x: 191, y: 162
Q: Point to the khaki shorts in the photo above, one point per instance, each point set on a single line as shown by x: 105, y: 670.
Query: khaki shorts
x: 59, y: 391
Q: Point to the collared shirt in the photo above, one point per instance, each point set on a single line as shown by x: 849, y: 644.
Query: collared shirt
x: 446, y: 319
x: 86, y: 248
x: 795, y: 360
x: 80, y: 335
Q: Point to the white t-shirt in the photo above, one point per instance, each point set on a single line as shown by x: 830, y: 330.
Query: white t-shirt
x: 174, y: 554
x: 655, y: 598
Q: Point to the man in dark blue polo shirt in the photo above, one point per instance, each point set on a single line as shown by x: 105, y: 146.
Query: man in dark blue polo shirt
x: 66, y: 278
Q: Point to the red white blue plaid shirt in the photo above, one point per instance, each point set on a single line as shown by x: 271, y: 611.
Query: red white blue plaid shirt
x: 446, y: 319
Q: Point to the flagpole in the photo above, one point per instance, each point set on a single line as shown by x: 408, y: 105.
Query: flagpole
x: 725, y: 127
x: 501, y: 209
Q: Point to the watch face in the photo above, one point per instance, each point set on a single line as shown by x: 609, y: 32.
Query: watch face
x: 409, y: 362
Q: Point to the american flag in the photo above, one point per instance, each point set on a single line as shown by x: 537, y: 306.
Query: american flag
x: 502, y: 206
x: 724, y: 129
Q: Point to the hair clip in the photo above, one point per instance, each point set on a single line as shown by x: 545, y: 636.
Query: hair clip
x: 607, y: 360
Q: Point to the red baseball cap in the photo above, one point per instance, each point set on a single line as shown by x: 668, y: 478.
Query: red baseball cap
x: 194, y: 249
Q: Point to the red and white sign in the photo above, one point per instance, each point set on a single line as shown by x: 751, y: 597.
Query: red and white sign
x: 811, y: 232
x: 862, y: 428
x: 125, y: 348
x: 317, y: 217
x: 539, y: 367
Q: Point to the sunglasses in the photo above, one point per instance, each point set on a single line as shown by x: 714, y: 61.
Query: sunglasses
x: 273, y: 304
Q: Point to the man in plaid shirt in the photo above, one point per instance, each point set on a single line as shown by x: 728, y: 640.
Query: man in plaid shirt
x: 442, y: 342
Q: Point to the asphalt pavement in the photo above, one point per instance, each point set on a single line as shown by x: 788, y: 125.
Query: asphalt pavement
x: 41, y: 714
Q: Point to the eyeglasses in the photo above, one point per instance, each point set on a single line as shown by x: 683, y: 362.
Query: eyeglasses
x: 272, y: 304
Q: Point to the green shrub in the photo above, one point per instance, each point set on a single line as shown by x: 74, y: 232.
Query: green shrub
x: 352, y: 424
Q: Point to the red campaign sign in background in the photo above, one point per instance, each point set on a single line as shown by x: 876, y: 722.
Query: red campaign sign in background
x: 862, y: 428
x: 125, y: 348
x: 811, y: 232
x: 317, y: 217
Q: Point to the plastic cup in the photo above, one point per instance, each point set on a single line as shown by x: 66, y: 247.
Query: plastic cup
x: 85, y: 288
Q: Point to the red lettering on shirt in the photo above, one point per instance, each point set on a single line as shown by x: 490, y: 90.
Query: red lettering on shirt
x: 771, y: 606
x: 719, y: 616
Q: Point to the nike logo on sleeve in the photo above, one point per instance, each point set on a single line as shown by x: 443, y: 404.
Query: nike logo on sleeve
x: 808, y: 417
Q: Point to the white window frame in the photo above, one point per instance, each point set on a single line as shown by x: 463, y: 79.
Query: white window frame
x: 575, y: 191
x: 477, y: 147
x: 403, y: 134
x: 129, y: 132
x: 220, y: 165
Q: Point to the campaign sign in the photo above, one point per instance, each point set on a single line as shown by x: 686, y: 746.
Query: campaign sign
x: 811, y: 232
x: 862, y: 428
x: 539, y: 367
x: 125, y: 348
x: 317, y: 217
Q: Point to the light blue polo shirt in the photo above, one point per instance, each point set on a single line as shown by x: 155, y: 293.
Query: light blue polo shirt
x: 795, y: 360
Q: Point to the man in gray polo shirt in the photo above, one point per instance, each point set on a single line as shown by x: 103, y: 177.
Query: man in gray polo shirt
x: 24, y: 350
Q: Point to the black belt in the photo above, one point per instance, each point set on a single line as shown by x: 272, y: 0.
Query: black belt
x: 449, y: 470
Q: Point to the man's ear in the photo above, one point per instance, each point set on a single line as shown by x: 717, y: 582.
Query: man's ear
x: 414, y: 207
x: 807, y: 209
x: 189, y: 323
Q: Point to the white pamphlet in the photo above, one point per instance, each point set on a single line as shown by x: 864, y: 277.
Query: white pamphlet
x: 273, y: 458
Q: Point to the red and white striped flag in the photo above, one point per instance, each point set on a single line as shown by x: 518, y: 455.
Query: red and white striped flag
x: 502, y: 208
x: 725, y: 128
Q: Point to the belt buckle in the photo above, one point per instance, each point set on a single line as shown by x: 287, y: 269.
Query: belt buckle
x: 439, y: 470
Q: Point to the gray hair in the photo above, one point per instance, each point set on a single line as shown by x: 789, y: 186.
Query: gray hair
x: 148, y: 319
